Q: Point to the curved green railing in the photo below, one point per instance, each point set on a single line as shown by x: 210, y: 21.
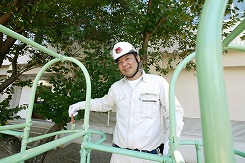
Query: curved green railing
x: 85, y: 132
x: 217, y: 148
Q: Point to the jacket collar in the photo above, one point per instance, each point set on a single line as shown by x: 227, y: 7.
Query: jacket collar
x: 144, y: 76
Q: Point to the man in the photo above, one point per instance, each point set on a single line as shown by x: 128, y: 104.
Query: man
x: 140, y: 100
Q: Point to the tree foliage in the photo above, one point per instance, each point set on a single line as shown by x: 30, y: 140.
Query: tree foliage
x: 156, y: 27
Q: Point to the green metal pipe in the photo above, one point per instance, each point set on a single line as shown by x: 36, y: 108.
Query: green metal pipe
x: 35, y: 83
x: 84, y: 150
x: 198, y: 145
x: 88, y: 90
x: 86, y: 123
x: 198, y: 152
x: 89, y: 150
x: 173, y: 138
x: 15, y: 126
x: 99, y: 133
x: 216, y: 127
x: 126, y: 152
x: 173, y: 80
x: 235, y: 32
x: 190, y: 142
x: 32, y: 139
x: 13, y: 133
x: 31, y: 103
x: 175, y: 75
x: 102, y: 139
x: 22, y: 156
x: 235, y: 47
x: 84, y: 153
x: 239, y: 153
x: 59, y: 56
x: 17, y: 36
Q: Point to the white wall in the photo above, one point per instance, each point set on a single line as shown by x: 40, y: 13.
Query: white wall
x: 235, y: 87
x: 16, y: 97
x: 186, y: 88
x: 24, y: 99
x: 186, y: 91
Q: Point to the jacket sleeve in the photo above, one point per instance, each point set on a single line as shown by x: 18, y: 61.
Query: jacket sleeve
x: 103, y: 104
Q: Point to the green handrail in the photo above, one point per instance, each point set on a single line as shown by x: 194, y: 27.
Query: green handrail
x: 235, y: 32
x: 173, y: 80
x: 85, y: 132
x: 217, y: 139
x: 24, y: 155
x: 211, y: 79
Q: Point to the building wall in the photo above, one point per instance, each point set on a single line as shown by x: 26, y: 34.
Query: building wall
x: 24, y: 99
x: 21, y: 96
x: 186, y: 88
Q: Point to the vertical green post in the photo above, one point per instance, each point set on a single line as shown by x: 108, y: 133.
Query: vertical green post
x: 31, y: 104
x: 198, y: 152
x: 216, y: 125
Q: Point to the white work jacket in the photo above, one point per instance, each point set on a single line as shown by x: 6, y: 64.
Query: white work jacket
x: 138, y: 121
x: 138, y: 124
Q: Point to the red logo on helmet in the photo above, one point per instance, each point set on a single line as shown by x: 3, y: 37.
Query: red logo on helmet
x: 118, y: 50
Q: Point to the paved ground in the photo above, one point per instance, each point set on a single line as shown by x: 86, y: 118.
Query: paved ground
x: 69, y: 154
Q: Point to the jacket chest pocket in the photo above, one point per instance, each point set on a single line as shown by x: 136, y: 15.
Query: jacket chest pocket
x: 150, y: 105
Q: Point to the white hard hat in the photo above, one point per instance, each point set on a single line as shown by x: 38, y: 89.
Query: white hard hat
x: 122, y: 48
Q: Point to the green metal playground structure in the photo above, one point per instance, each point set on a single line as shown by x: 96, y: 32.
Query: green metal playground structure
x: 217, y: 147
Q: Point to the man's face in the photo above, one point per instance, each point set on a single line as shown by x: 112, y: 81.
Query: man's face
x: 127, y: 64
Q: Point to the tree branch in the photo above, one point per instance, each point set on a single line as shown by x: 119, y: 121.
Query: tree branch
x: 158, y: 25
x: 146, y: 36
x: 5, y: 46
x: 5, y: 18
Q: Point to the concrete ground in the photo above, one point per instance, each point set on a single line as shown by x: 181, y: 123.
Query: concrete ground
x: 70, y: 154
x: 191, y: 131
